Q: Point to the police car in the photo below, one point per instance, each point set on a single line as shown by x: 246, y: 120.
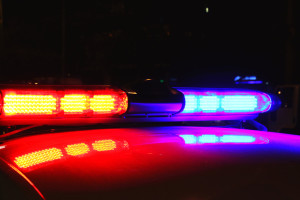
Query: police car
x: 101, y: 142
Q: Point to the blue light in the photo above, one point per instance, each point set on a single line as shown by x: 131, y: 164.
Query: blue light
x: 224, y: 102
x: 250, y: 82
x: 237, y: 139
x: 237, y: 78
x: 208, y: 139
x: 189, y: 139
x: 250, y: 78
x: 239, y: 103
x: 209, y: 103
x: 191, y: 104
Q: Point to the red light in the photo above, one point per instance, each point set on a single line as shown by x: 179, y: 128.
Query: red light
x: 74, y: 103
x: 62, y: 103
x: 102, y: 103
x: 109, y: 103
x: 29, y: 104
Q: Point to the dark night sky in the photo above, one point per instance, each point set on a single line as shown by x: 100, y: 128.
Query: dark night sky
x: 121, y: 41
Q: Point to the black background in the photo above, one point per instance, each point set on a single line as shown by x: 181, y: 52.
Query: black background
x: 122, y: 41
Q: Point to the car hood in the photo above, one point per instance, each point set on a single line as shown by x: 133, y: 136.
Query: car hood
x: 154, y: 162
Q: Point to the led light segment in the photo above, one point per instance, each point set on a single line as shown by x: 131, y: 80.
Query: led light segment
x: 15, y: 104
x: 104, y: 145
x: 190, y: 103
x: 38, y: 157
x: 209, y: 103
x: 102, y: 103
x: 224, y: 102
x: 77, y: 149
x: 236, y: 103
x: 74, y: 103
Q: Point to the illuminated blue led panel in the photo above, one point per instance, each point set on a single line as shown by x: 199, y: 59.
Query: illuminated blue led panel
x: 208, y: 139
x: 224, y: 102
x: 209, y: 103
x: 237, y: 139
x: 189, y: 139
x: 239, y: 103
x: 191, y: 104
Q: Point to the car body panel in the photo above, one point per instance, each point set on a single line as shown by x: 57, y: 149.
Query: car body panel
x: 155, y: 162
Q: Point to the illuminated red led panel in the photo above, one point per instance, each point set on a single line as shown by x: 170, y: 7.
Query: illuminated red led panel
x: 109, y: 102
x: 24, y: 102
x: 74, y: 103
x: 63, y: 103
x: 100, y: 102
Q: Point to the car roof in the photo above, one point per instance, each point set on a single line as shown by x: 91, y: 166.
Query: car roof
x: 155, y: 162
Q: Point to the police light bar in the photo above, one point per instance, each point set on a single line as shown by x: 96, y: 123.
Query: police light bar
x: 77, y: 105
x: 37, y: 103
x: 224, y: 102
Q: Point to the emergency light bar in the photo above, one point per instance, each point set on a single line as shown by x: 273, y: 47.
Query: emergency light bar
x: 71, y: 105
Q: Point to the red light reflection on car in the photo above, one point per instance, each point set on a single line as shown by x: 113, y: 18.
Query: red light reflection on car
x: 51, y: 154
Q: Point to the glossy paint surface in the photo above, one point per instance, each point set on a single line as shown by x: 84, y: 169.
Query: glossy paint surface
x: 134, y: 162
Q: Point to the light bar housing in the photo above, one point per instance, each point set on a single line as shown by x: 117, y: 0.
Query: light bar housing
x: 38, y: 103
